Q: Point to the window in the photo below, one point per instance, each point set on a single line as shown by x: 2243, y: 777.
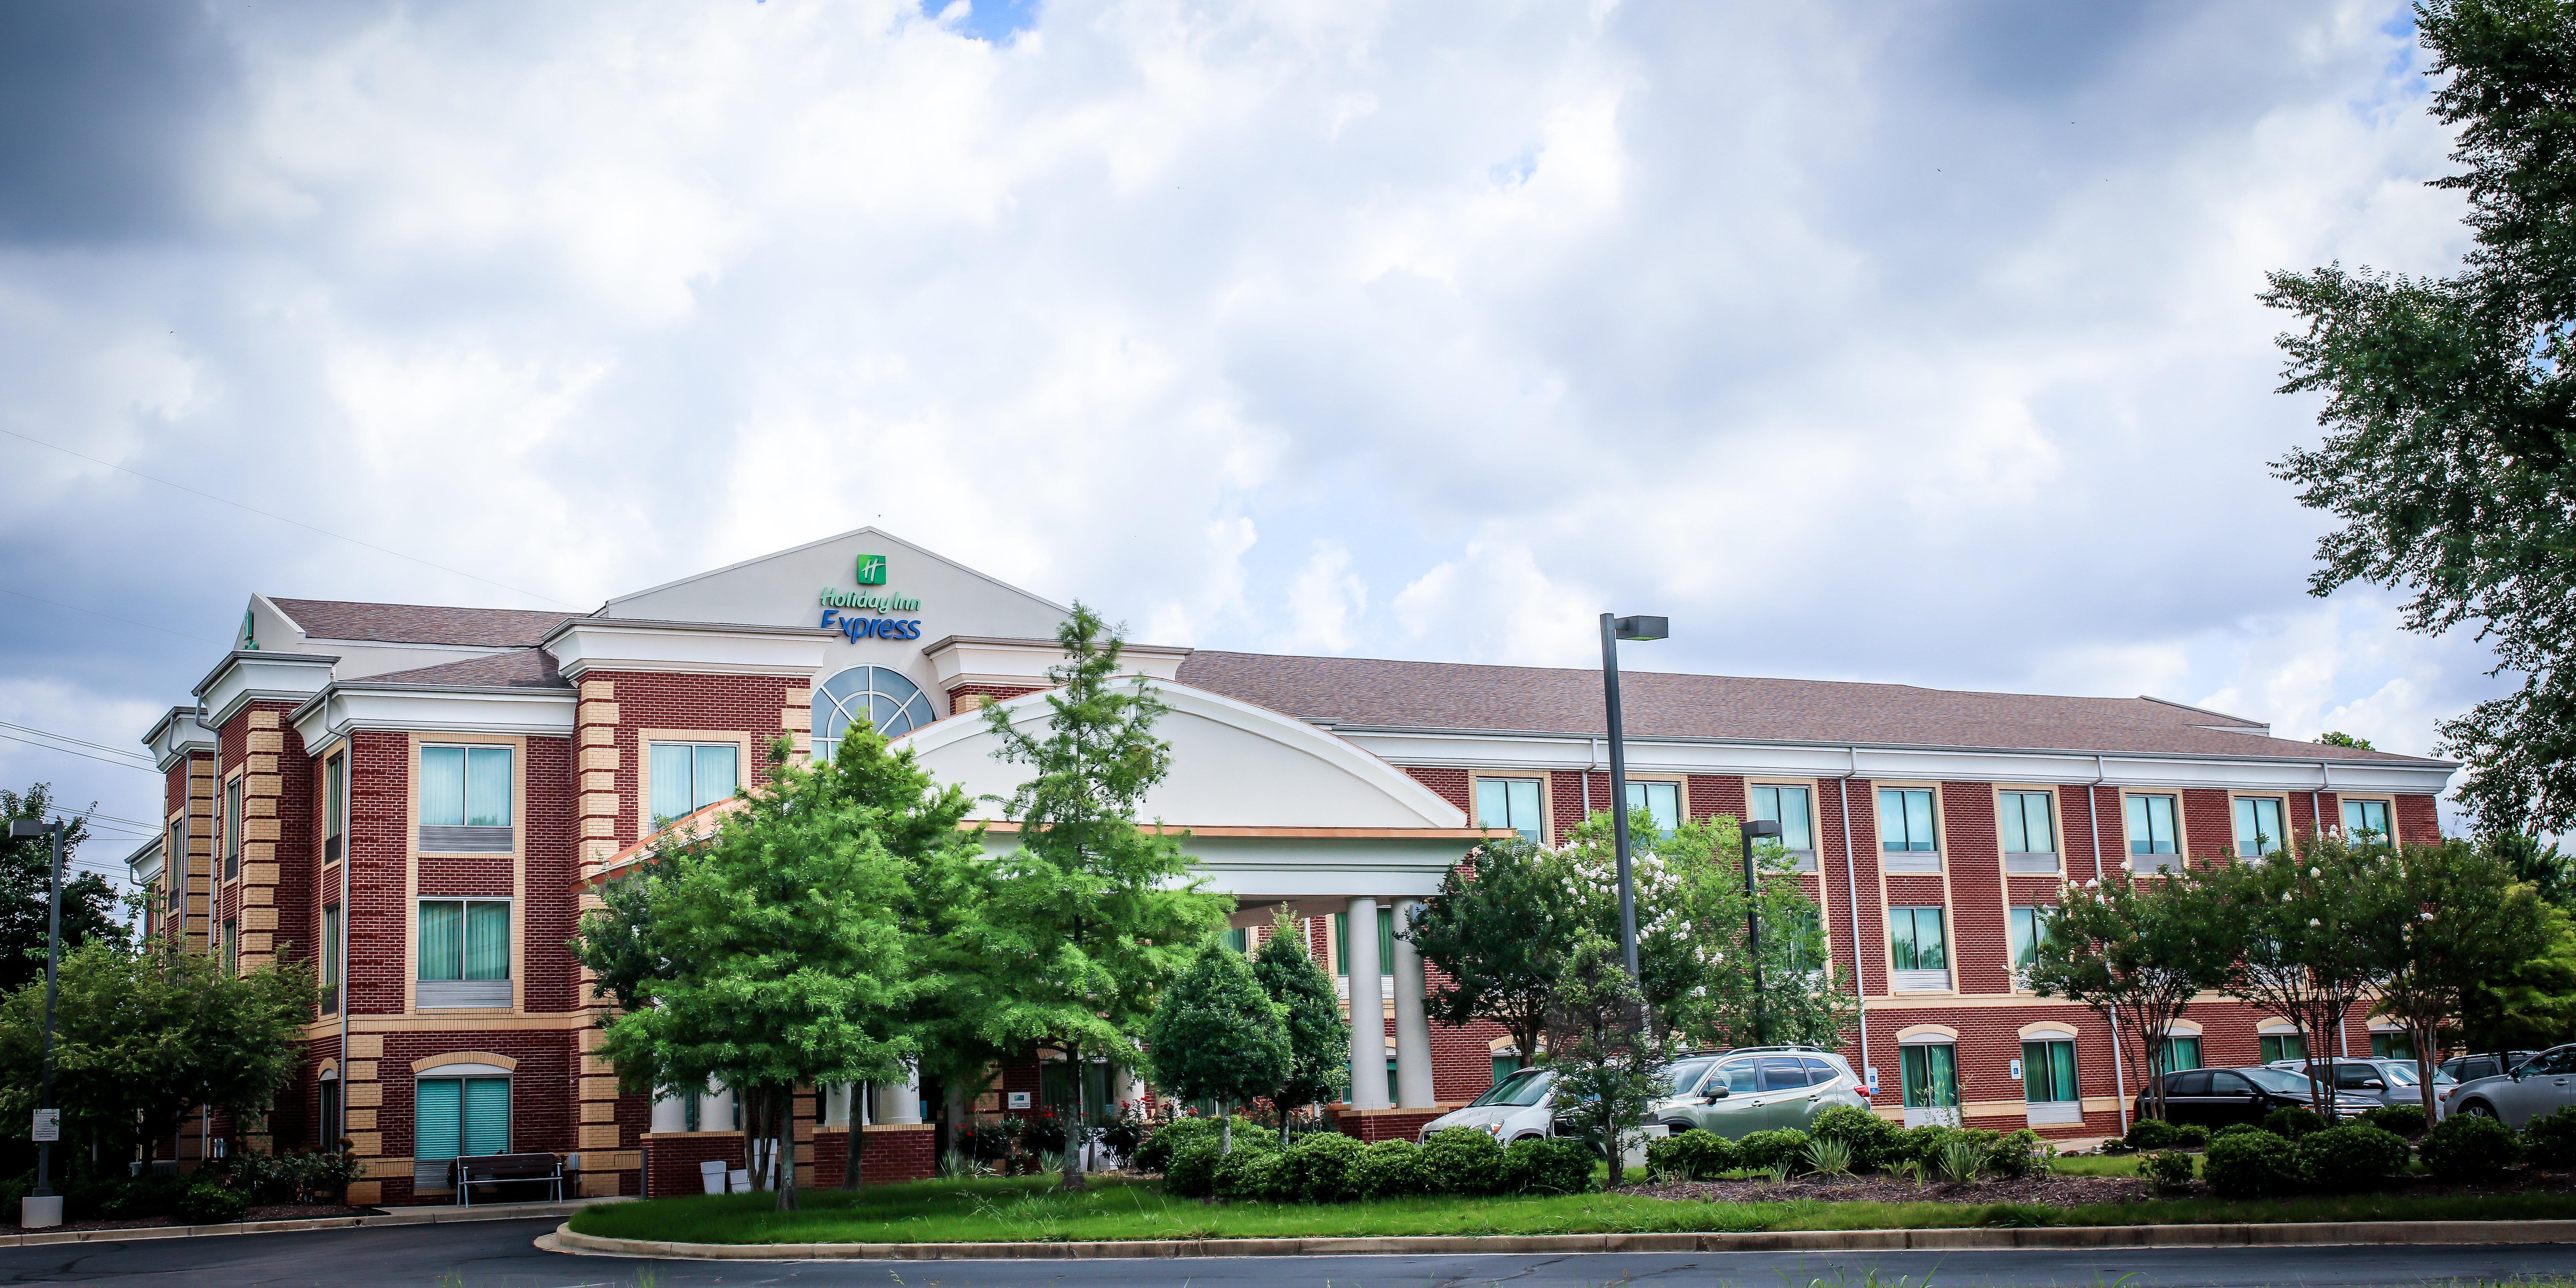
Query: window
x: 2029, y: 826
x: 2258, y: 826
x: 1661, y: 801
x: 1504, y: 1067
x: 1905, y: 821
x: 2048, y: 1071
x: 2281, y: 1046
x: 1239, y: 940
x: 1803, y: 931
x: 232, y: 948
x: 2367, y: 821
x: 1385, y: 942
x: 2177, y: 1052
x: 2151, y: 832
x: 2392, y: 1046
x: 460, y: 1118
x: 876, y: 696
x: 465, y: 800
x: 326, y: 1122
x: 1919, y: 944
x: 331, y: 960
x: 334, y: 807
x: 232, y: 829
x: 176, y: 863
x: 1512, y: 803
x: 1789, y: 807
x: 464, y: 952
x: 2029, y: 927
x: 689, y: 776
x: 1931, y: 1076
x: 689, y: 1113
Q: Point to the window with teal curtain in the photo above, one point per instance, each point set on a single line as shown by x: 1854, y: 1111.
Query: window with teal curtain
x: 1931, y: 1076
x: 2258, y: 826
x: 2392, y: 1046
x: 2177, y: 1054
x: 487, y: 787
x: 2151, y: 825
x: 2028, y: 927
x: 487, y: 1116
x: 1385, y: 942
x: 1512, y: 803
x: 1905, y: 820
x: 438, y: 1118
x: 331, y: 960
x: 442, y: 786
x: 2366, y: 820
x: 442, y: 940
x: 670, y: 766
x: 1239, y: 940
x: 1787, y: 806
x: 487, y: 941
x: 2282, y: 1046
x: 1915, y: 934
x: 689, y: 776
x: 2048, y: 1072
x: 2028, y: 827
x: 1662, y: 802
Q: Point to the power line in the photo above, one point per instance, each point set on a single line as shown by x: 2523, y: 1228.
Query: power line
x: 84, y: 742
x: 202, y: 639
x: 283, y: 519
x: 121, y: 764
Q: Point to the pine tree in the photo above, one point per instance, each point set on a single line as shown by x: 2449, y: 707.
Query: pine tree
x: 1319, y: 1042
x: 1217, y: 1036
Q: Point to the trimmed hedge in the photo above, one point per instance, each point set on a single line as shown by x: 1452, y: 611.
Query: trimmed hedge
x: 2293, y: 1121
x: 1391, y: 1169
x: 1784, y: 1147
x: 2550, y: 1140
x: 1167, y: 1140
x: 1544, y: 1166
x: 2469, y: 1148
x: 2405, y: 1120
x: 1317, y: 1169
x: 2167, y: 1167
x: 2355, y: 1156
x: 1463, y: 1160
x: 1875, y: 1142
x: 1695, y: 1154
x: 2252, y: 1165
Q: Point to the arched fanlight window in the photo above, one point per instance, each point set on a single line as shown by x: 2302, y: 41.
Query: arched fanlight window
x: 877, y: 695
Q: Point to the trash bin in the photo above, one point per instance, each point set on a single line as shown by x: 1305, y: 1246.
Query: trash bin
x: 741, y: 1177
x: 711, y: 1174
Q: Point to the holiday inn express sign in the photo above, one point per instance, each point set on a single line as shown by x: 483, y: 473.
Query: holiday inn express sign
x: 871, y: 571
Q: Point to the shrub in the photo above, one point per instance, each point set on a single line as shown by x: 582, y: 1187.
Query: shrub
x: 2190, y: 1136
x: 1245, y: 1174
x: 2469, y: 1148
x: 2017, y: 1154
x: 1190, y: 1171
x: 1544, y: 1166
x: 1463, y: 1160
x: 1960, y: 1161
x: 1317, y: 1169
x: 2550, y: 1140
x: 2236, y: 1129
x: 1391, y: 1169
x: 1699, y: 1155
x: 1155, y: 1153
x: 2150, y: 1133
x: 1786, y: 1147
x: 2405, y: 1120
x: 2167, y: 1167
x: 210, y: 1205
x: 1828, y: 1157
x: 145, y: 1196
x: 2293, y: 1121
x: 2251, y: 1165
x: 1875, y: 1142
x: 2355, y: 1156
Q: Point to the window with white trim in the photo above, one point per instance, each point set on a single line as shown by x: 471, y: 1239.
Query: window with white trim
x: 2154, y: 844
x: 2259, y: 826
x: 2028, y: 924
x: 465, y: 800
x: 1918, y: 949
x: 1662, y: 802
x: 232, y: 825
x: 1512, y: 803
x: 2028, y: 824
x: 457, y: 1117
x: 689, y: 776
x: 2367, y: 821
x: 464, y: 957
x: 1793, y: 809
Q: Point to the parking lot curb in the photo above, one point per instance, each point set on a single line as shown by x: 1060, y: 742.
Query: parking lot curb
x: 438, y: 1215
x: 2320, y: 1234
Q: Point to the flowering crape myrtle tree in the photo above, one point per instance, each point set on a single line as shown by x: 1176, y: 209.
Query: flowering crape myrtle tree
x: 2445, y: 919
x: 2304, y: 952
x: 1498, y: 931
x: 2137, y: 952
x: 1093, y: 915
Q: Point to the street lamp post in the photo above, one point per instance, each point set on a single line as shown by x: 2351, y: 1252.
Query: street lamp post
x: 1613, y: 630
x: 1752, y: 828
x: 44, y: 1207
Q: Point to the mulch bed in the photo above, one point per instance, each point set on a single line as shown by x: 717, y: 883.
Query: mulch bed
x: 2054, y: 1191
x: 260, y: 1212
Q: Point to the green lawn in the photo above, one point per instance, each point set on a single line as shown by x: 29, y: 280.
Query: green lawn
x: 1025, y: 1209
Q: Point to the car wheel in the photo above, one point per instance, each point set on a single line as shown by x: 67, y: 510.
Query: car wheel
x: 2477, y: 1109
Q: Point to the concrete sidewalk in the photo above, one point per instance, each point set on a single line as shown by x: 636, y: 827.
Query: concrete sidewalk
x: 438, y: 1214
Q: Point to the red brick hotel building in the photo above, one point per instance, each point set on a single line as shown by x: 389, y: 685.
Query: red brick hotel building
x: 416, y: 798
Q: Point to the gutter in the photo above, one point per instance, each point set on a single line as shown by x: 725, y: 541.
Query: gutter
x: 1851, y: 883
x: 2093, y: 819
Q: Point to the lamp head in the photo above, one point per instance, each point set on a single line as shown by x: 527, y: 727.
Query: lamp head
x: 21, y: 829
x: 1762, y: 827
x: 1641, y: 628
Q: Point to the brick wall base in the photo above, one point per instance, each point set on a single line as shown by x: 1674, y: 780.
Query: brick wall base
x: 1384, y: 1124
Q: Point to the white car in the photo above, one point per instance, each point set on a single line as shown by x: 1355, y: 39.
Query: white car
x: 2392, y: 1081
x: 1520, y: 1107
x: 2537, y: 1087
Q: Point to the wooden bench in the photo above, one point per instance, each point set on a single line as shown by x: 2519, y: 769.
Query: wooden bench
x: 506, y: 1169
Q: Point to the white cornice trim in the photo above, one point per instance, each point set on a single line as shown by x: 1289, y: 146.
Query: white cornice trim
x: 343, y: 708
x: 177, y: 734
x: 585, y: 644
x: 960, y: 660
x: 255, y: 675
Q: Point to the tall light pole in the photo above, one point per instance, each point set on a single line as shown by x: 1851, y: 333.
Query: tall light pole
x: 1752, y: 828
x: 44, y: 1207
x: 1613, y: 630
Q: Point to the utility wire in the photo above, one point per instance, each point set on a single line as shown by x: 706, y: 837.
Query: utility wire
x: 121, y: 764
x: 202, y: 639
x: 283, y: 519
x: 64, y: 737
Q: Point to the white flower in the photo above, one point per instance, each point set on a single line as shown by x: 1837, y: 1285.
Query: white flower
x: 2316, y: 872
x: 2313, y: 923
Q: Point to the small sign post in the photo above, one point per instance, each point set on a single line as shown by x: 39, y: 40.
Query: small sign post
x: 48, y: 1126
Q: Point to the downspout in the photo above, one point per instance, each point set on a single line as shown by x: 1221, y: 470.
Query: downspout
x: 2317, y: 802
x: 2316, y: 811
x: 348, y: 924
x: 2093, y: 819
x: 1851, y: 882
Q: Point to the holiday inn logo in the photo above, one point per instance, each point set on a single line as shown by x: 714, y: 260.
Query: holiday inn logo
x: 872, y: 570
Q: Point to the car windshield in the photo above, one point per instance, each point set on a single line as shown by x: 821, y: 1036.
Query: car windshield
x: 1685, y: 1074
x: 2398, y: 1075
x: 1521, y: 1089
x: 2280, y: 1082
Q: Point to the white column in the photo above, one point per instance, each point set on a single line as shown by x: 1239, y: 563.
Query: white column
x: 1368, y: 1006
x: 900, y: 1102
x: 671, y: 1113
x: 1412, y: 1024
x: 715, y: 1109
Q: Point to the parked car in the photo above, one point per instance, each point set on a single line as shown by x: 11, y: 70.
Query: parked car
x: 1519, y: 1107
x: 2535, y: 1087
x: 2470, y: 1068
x: 2392, y: 1081
x: 2215, y: 1098
x: 1750, y: 1089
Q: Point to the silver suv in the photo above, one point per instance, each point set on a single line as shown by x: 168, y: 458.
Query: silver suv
x: 1749, y: 1089
x: 2536, y: 1088
x: 2392, y: 1082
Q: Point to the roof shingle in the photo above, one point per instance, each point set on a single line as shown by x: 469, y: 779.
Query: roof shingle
x: 519, y: 668
x: 337, y: 619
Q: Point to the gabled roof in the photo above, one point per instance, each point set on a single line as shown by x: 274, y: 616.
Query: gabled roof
x: 339, y: 619
x: 1372, y: 693
x: 518, y: 668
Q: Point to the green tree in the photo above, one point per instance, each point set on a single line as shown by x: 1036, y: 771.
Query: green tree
x: 1498, y: 930
x: 2338, y: 738
x: 1605, y: 1056
x: 777, y: 951
x: 143, y: 1037
x: 2137, y: 953
x: 2532, y: 1005
x: 26, y: 877
x: 2450, y: 404
x: 1217, y: 1036
x: 1092, y: 915
x: 2442, y: 921
x: 1319, y: 1042
x: 2542, y: 867
x: 2302, y: 924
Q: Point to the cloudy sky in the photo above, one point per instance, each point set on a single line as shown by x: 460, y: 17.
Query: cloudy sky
x: 1907, y: 342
